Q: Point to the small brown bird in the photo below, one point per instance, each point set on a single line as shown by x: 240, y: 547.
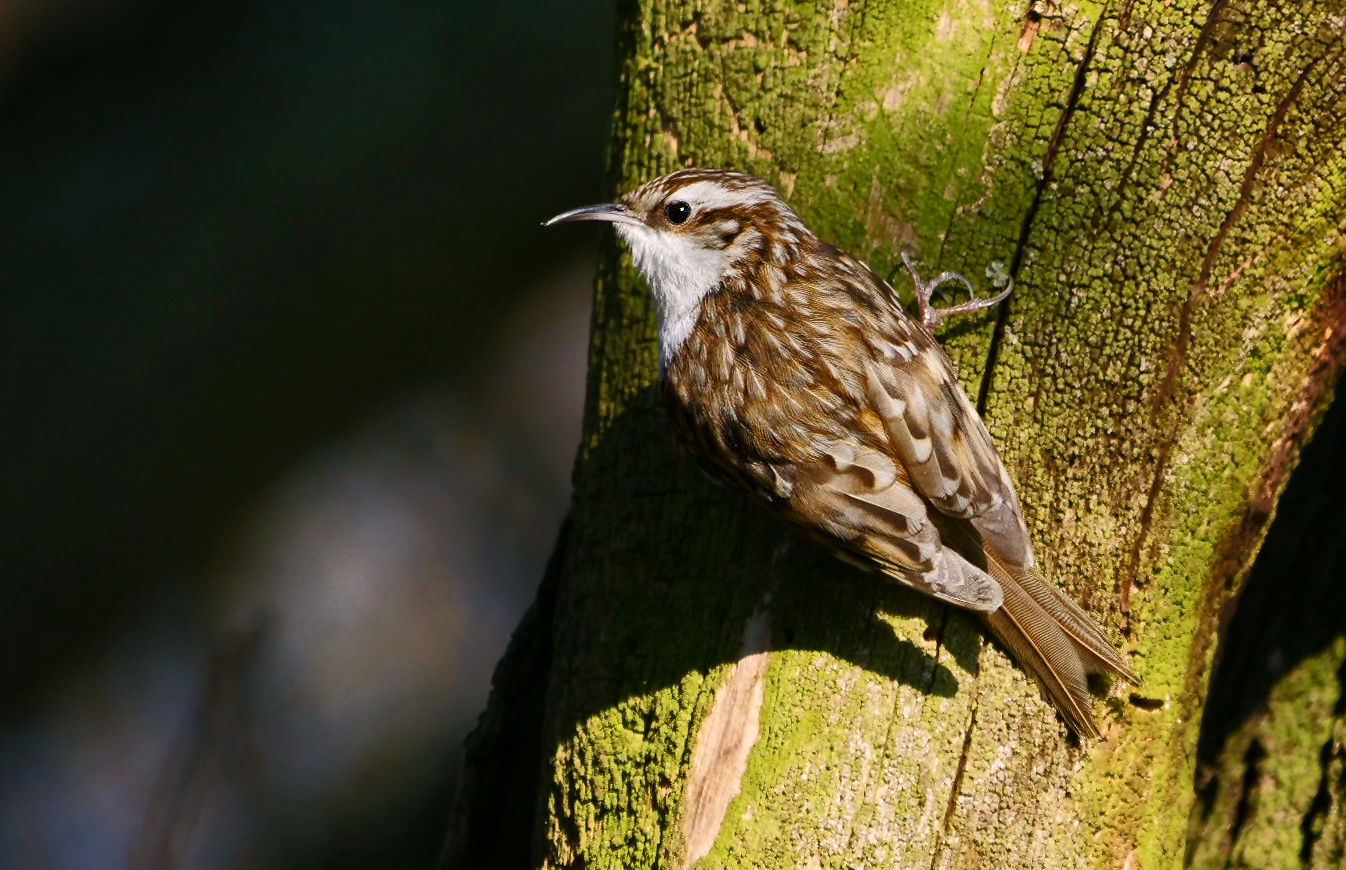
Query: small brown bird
x: 791, y: 372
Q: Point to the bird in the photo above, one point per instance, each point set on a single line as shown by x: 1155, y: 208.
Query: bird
x: 793, y: 373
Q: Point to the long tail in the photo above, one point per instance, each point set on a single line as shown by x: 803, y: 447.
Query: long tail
x: 1055, y: 640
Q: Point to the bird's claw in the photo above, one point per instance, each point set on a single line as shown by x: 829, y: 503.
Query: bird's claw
x: 931, y: 316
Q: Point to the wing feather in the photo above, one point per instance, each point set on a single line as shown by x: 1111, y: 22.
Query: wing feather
x: 938, y: 437
x: 862, y: 499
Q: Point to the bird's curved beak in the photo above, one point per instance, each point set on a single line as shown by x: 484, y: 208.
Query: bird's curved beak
x: 615, y: 212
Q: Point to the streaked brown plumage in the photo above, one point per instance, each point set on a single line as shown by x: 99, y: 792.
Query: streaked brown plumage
x: 792, y: 372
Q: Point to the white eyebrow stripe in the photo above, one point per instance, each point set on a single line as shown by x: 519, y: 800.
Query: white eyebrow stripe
x: 707, y: 195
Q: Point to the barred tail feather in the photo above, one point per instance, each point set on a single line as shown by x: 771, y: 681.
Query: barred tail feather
x: 1055, y: 640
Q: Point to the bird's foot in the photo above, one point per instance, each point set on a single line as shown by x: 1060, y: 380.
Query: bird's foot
x: 931, y: 316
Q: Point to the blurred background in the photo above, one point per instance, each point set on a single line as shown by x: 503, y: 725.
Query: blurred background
x: 292, y: 381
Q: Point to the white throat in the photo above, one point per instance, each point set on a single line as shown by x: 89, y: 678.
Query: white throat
x: 680, y: 273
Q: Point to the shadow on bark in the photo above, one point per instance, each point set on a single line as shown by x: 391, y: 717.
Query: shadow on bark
x: 734, y: 555
x: 1291, y: 609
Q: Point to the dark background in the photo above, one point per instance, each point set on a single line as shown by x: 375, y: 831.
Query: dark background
x: 292, y: 380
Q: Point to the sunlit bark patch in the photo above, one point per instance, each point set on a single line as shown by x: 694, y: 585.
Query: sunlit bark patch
x: 726, y: 737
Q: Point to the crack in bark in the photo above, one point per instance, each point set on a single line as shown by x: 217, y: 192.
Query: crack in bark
x: 1217, y: 241
x: 1329, y: 757
x: 949, y: 808
x: 1168, y: 387
x: 1204, y: 37
x: 1183, y: 76
x: 1252, y: 760
x: 1026, y: 228
x: 939, y: 648
x: 1124, y: 18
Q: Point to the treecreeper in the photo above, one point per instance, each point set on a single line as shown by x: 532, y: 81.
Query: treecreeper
x: 792, y: 373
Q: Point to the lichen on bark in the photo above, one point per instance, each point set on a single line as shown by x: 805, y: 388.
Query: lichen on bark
x: 1166, y: 183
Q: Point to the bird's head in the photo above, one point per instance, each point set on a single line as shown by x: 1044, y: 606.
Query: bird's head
x: 691, y: 231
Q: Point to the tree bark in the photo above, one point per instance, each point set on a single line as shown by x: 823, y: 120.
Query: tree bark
x: 1271, y: 767
x: 1166, y: 182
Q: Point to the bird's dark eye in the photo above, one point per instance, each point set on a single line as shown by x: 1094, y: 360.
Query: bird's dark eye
x: 678, y: 212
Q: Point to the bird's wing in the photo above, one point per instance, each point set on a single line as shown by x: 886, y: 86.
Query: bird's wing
x: 936, y: 433
x: 901, y: 376
x: 861, y: 498
x: 937, y: 436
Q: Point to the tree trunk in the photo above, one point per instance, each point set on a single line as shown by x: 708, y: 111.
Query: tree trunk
x: 1166, y: 182
x: 1271, y: 768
